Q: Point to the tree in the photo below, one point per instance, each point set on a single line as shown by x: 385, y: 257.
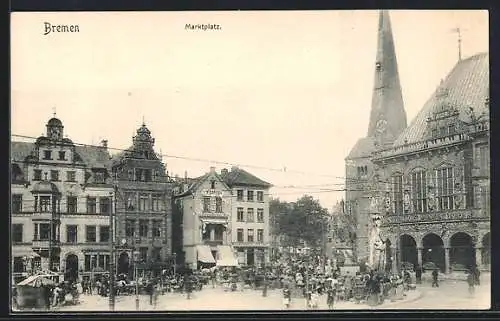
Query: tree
x: 303, y: 221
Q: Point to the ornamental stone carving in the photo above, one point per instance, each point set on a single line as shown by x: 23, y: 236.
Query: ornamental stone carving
x: 387, y: 203
x: 406, y: 201
x: 431, y: 201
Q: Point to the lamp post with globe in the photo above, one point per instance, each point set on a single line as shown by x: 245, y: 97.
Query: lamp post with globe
x: 136, y: 260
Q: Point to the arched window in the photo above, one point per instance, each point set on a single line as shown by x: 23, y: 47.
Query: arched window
x: 397, y: 193
x: 419, y: 190
x: 444, y: 188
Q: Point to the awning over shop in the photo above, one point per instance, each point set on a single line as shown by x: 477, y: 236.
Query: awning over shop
x: 226, y: 256
x: 204, y: 254
x: 24, y: 253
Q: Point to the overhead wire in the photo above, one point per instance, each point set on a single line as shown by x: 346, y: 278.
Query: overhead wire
x: 282, y: 170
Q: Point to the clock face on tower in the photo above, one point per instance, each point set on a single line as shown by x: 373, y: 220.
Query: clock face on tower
x: 381, y: 126
x: 55, y: 133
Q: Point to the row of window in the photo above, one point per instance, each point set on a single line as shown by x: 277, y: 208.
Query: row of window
x: 47, y: 204
x: 212, y: 204
x: 444, y: 131
x: 250, y: 235
x: 54, y: 175
x: 250, y: 196
x: 42, y: 233
x: 144, y: 226
x: 92, y: 261
x: 144, y: 202
x: 143, y: 175
x: 99, y: 177
x: 250, y: 215
x: 47, y: 155
x: 427, y: 191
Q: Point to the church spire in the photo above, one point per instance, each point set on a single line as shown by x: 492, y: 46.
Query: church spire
x: 388, y: 117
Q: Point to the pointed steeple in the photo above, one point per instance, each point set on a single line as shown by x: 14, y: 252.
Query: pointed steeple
x: 388, y: 116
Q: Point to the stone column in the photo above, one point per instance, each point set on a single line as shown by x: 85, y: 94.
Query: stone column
x: 395, y: 259
x: 479, y: 257
x: 419, y: 256
x: 446, y: 260
x: 245, y: 256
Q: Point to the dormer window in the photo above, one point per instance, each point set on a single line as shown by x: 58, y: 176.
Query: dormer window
x: 378, y: 66
x: 47, y: 154
x: 451, y: 129
x: 62, y: 155
x: 212, y: 184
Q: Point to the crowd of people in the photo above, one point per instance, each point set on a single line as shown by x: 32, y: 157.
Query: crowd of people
x: 301, y: 277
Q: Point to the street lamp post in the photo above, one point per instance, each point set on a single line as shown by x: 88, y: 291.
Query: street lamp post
x: 136, y: 259
x: 307, y: 280
x: 264, y: 291
x: 112, y: 253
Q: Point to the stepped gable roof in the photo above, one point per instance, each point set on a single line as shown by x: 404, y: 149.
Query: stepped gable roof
x: 468, y: 87
x: 238, y: 176
x: 363, y: 148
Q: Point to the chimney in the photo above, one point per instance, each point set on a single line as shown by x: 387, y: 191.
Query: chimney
x: 212, y: 169
x: 104, y: 143
x: 223, y: 172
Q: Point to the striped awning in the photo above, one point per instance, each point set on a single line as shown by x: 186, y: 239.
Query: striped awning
x: 205, y: 254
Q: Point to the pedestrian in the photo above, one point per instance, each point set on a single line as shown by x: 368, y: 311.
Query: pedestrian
x: 156, y: 291
x: 471, y: 281
x: 418, y: 274
x: 435, y: 275
x: 287, y: 297
x: 330, y: 297
x: 477, y: 275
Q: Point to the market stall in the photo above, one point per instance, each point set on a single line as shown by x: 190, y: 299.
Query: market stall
x: 31, y: 291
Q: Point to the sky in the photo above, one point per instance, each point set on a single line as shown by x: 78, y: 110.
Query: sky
x: 288, y: 92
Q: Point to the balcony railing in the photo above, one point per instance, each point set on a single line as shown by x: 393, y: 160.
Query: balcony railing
x: 213, y: 242
x: 424, y: 145
x: 454, y: 215
x: 45, y: 244
x: 214, y: 214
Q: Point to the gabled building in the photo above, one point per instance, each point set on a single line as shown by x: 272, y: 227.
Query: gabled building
x: 387, y: 121
x: 143, y: 209
x: 423, y: 189
x: 61, y: 198
x: 250, y: 225
x: 204, y: 208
